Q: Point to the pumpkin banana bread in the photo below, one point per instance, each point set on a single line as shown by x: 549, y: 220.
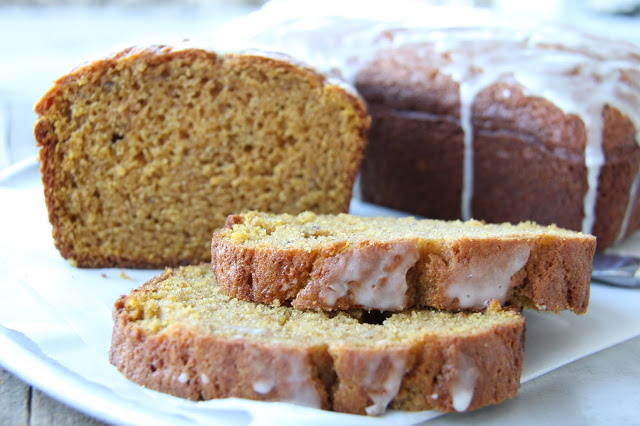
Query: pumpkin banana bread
x: 506, y: 125
x: 179, y: 334
x: 475, y: 116
x: 337, y: 262
x: 145, y: 153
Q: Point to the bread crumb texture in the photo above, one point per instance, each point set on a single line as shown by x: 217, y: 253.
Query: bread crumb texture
x: 145, y: 153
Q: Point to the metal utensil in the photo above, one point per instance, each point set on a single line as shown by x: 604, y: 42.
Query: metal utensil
x: 622, y: 271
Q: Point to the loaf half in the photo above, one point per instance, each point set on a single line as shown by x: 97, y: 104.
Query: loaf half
x: 179, y: 334
x: 145, y: 153
x: 480, y: 117
x: 337, y: 262
x: 505, y: 126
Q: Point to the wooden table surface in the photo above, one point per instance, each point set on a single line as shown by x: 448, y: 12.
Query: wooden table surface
x: 21, y: 404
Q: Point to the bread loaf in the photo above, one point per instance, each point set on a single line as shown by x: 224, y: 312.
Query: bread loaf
x: 483, y: 118
x: 506, y: 126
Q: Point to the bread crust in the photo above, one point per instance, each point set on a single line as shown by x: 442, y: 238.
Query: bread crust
x: 554, y: 277
x: 188, y: 363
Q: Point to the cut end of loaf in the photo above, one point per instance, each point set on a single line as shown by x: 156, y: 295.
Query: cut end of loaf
x: 160, y: 145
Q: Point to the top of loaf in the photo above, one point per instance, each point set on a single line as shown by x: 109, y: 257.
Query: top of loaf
x: 156, y: 53
x: 309, y: 229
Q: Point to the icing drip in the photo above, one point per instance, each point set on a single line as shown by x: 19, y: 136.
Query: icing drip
x: 629, y: 100
x: 382, y: 394
x: 466, y: 100
x: 463, y: 386
x: 594, y: 159
x: 468, y: 91
x: 290, y: 375
x: 183, y: 378
x: 374, y: 277
x: 263, y: 386
x: 482, y: 279
x: 633, y: 195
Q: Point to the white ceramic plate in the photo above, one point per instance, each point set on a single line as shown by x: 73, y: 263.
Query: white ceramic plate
x: 55, y: 328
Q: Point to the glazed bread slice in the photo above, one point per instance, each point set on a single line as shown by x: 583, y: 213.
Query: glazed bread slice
x: 179, y: 334
x: 145, y: 153
x: 337, y: 262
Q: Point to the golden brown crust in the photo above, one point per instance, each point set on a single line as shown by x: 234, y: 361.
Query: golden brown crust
x: 555, y: 276
x: 93, y: 218
x: 229, y: 365
x: 345, y: 377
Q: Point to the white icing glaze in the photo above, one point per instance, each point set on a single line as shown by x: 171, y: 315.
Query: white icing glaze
x: 204, y: 379
x: 333, y: 44
x: 576, y: 77
x: 183, y: 378
x: 338, y: 35
x: 468, y: 92
x: 580, y: 77
x: 481, y: 279
x: 463, y: 385
x: 374, y: 277
x: 633, y: 195
x: 381, y: 395
x: 295, y: 385
x: 263, y: 386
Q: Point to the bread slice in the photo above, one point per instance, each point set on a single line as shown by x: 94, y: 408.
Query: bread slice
x: 346, y: 262
x: 145, y: 153
x: 179, y: 334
